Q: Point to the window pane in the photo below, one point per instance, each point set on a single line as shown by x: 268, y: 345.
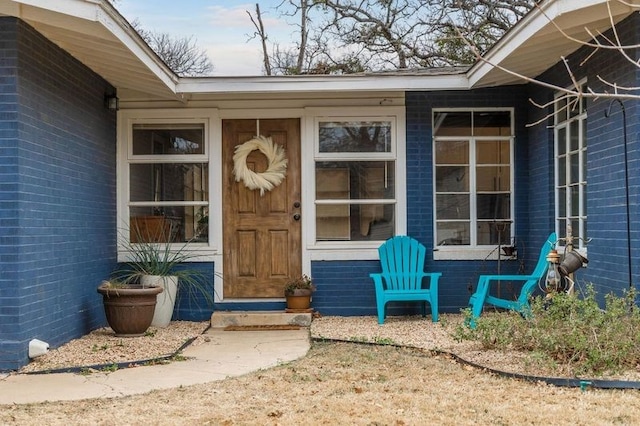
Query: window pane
x: 493, y: 178
x: 574, y: 107
x: 452, y: 123
x: 574, y: 162
x: 356, y: 180
x: 562, y: 171
x: 494, y: 206
x: 169, y: 182
x: 170, y: 139
x: 452, y: 206
x: 561, y: 108
x: 574, y: 142
x: 452, y: 179
x: 490, y: 233
x: 453, y: 233
x: 354, y: 222
x: 374, y: 136
x: 561, y: 142
x: 492, y: 123
x: 575, y: 201
x: 490, y: 152
x: 562, y: 202
x: 452, y: 152
x: 575, y: 231
x: 169, y: 224
x: 562, y: 228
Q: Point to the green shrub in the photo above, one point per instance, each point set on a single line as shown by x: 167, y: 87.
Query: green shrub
x: 568, y: 331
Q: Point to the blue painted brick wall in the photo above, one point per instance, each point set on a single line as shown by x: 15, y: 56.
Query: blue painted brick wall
x: 196, y: 304
x: 58, y: 193
x: 344, y: 287
x: 606, y: 200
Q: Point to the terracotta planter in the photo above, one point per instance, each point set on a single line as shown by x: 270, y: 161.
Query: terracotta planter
x: 129, y: 310
x: 299, y: 299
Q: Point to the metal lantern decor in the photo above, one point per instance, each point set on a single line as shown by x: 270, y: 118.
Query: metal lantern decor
x: 572, y: 262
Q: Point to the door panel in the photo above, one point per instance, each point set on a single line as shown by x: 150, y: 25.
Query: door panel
x: 262, y: 247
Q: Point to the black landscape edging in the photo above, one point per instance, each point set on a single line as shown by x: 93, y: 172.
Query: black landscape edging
x: 583, y: 384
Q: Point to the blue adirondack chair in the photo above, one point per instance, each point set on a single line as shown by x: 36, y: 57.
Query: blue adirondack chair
x: 402, y: 261
x: 482, y: 297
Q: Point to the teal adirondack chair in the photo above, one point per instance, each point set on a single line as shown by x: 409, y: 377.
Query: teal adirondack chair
x: 482, y: 297
x: 402, y: 261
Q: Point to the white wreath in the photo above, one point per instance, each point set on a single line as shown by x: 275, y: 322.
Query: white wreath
x: 268, y: 179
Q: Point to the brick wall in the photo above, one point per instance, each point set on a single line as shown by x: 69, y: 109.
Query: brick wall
x: 606, y: 189
x: 58, y: 199
x: 344, y: 287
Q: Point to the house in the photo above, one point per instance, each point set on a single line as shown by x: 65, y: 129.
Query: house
x: 98, y: 135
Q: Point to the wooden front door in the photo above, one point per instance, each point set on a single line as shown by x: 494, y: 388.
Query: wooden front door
x: 261, y: 236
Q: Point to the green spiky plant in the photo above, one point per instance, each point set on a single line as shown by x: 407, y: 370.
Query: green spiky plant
x: 147, y: 256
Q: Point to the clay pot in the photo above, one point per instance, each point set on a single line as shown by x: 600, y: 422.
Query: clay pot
x: 129, y: 310
x: 299, y: 299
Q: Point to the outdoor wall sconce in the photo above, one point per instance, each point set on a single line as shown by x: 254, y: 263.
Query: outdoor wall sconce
x: 111, y: 102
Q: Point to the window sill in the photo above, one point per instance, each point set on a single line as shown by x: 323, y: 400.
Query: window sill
x: 469, y: 253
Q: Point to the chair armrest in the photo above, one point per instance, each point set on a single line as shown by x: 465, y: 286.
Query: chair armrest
x: 508, y: 277
x: 377, y: 281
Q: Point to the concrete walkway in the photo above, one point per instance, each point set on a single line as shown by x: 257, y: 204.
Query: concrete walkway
x: 226, y: 354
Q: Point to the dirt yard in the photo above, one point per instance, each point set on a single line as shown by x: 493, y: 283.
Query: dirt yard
x: 351, y: 383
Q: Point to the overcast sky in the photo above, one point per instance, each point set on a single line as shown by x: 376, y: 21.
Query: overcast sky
x: 221, y: 27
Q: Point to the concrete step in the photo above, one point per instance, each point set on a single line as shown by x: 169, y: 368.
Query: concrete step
x: 221, y: 319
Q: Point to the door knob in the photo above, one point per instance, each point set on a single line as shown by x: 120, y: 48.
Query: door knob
x: 296, y: 204
x: 296, y: 216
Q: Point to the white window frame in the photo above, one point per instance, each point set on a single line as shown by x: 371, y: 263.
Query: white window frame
x: 351, y: 250
x: 562, y: 121
x: 473, y: 251
x: 212, y: 147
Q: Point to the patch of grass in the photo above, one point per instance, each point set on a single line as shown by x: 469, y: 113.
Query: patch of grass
x: 359, y: 339
x: 568, y: 331
x: 109, y: 368
x: 97, y: 348
x: 383, y: 340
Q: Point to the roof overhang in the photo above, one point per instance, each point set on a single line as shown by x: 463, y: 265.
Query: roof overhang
x: 95, y: 33
x: 98, y: 36
x: 543, y: 37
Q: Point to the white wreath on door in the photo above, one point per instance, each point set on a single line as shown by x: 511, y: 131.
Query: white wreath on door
x: 270, y: 178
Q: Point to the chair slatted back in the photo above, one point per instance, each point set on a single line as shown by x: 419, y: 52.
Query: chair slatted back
x: 402, y: 262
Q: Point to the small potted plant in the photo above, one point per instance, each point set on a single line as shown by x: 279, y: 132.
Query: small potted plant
x: 298, y: 293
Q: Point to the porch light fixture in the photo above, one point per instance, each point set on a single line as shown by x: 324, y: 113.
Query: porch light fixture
x: 111, y: 102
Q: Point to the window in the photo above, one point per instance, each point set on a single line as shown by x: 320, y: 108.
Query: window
x: 473, y: 175
x: 355, y: 179
x: 571, y: 168
x: 168, y: 172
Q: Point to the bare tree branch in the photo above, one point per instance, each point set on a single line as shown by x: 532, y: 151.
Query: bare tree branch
x: 261, y: 33
x: 182, y: 55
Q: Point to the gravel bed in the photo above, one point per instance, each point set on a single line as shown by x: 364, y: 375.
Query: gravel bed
x: 102, y: 347
x: 423, y: 333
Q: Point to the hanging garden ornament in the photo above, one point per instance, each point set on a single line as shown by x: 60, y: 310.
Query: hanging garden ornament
x: 270, y: 178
